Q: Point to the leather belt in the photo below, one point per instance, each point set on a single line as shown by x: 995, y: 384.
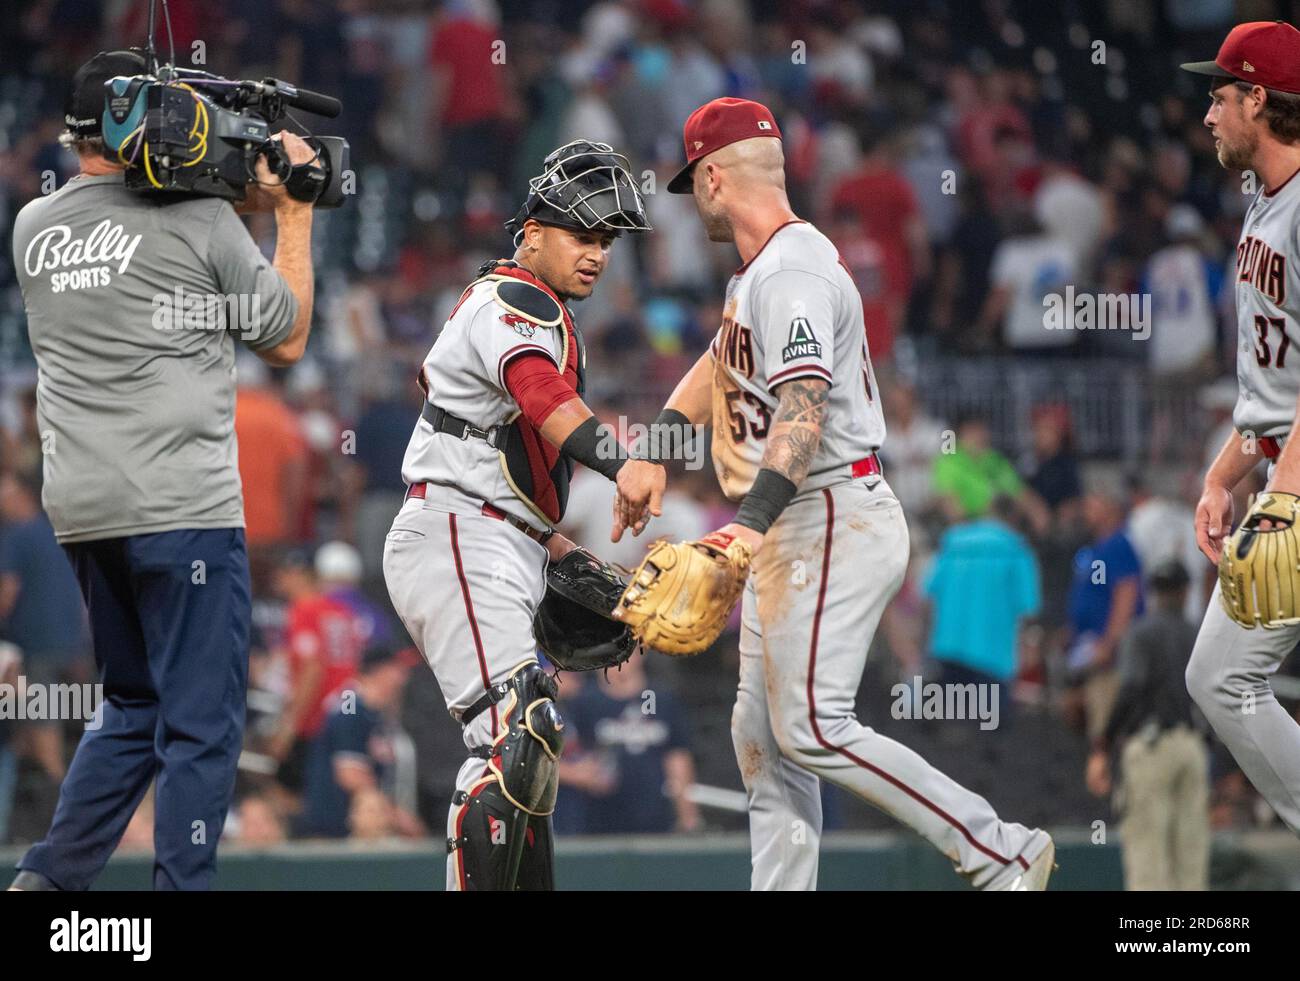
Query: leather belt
x: 443, y: 421
x: 541, y: 537
x: 868, y: 466
x: 419, y: 490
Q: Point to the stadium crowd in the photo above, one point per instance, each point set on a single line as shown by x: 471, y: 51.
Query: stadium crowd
x: 969, y: 160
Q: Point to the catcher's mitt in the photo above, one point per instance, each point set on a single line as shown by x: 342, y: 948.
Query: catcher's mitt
x: 573, y: 624
x: 1259, y: 571
x: 682, y: 593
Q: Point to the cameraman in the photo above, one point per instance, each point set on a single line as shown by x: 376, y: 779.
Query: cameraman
x: 136, y: 402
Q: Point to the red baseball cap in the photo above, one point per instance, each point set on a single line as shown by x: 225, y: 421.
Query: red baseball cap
x: 1263, y: 53
x: 717, y: 124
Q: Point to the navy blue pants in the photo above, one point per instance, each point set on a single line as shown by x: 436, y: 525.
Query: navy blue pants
x: 169, y: 617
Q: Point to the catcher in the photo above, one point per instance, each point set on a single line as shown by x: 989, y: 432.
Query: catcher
x: 487, y: 469
x: 789, y: 389
x: 1253, y: 621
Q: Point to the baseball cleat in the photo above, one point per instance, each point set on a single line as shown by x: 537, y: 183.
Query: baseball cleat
x: 1034, y: 878
x: 29, y: 881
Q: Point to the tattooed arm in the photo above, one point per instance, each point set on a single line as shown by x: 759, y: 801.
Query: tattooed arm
x: 796, y: 429
x: 792, y: 441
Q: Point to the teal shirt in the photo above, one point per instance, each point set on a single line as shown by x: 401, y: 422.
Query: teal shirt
x: 983, y: 579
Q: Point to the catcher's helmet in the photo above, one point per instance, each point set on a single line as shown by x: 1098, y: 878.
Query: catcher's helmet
x: 585, y: 186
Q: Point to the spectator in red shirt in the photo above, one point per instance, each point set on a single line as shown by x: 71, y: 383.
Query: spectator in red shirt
x: 323, y: 647
x: 865, y: 260
x: 187, y: 21
x: 471, y: 98
x: 879, y: 197
x: 986, y: 114
x: 1016, y: 173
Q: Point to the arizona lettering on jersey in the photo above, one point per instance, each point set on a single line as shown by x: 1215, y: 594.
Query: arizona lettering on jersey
x: 1268, y: 313
x: 464, y: 373
x: 792, y: 312
x: 1261, y: 266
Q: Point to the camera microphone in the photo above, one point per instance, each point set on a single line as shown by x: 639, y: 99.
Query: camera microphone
x: 304, y: 99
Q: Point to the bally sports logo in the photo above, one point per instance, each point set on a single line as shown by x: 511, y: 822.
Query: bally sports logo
x: 54, y: 248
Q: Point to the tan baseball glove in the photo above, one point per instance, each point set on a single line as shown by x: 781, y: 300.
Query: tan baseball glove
x: 1259, y: 571
x: 682, y: 593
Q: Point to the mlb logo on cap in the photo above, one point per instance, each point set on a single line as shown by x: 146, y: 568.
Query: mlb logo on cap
x: 717, y: 124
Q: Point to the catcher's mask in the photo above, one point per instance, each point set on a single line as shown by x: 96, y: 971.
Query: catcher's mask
x: 584, y: 186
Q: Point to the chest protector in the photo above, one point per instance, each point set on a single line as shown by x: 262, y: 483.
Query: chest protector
x: 536, y: 471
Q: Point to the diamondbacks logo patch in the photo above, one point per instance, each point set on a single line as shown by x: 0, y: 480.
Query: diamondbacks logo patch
x: 802, y: 343
x: 522, y: 325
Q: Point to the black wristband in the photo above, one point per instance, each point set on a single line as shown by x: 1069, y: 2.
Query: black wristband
x: 671, y: 417
x: 766, y: 500
x: 667, y: 437
x: 590, y: 444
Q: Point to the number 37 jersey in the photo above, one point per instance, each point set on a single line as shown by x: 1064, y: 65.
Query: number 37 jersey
x: 1267, y: 283
x: 792, y: 312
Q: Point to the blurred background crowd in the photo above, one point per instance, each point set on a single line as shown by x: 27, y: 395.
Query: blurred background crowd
x: 968, y: 159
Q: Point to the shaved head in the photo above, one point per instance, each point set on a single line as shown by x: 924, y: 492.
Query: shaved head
x: 759, y: 160
x: 733, y: 175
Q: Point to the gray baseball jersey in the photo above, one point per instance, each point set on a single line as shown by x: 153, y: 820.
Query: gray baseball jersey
x: 1231, y: 667
x: 464, y: 373
x: 1268, y: 313
x: 133, y: 305
x: 809, y: 612
x: 791, y: 312
x: 465, y: 584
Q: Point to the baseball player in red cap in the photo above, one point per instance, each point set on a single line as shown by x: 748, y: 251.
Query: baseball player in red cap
x: 789, y: 389
x: 1255, y: 117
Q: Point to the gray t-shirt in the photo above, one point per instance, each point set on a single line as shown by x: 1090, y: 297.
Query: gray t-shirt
x: 134, y: 304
